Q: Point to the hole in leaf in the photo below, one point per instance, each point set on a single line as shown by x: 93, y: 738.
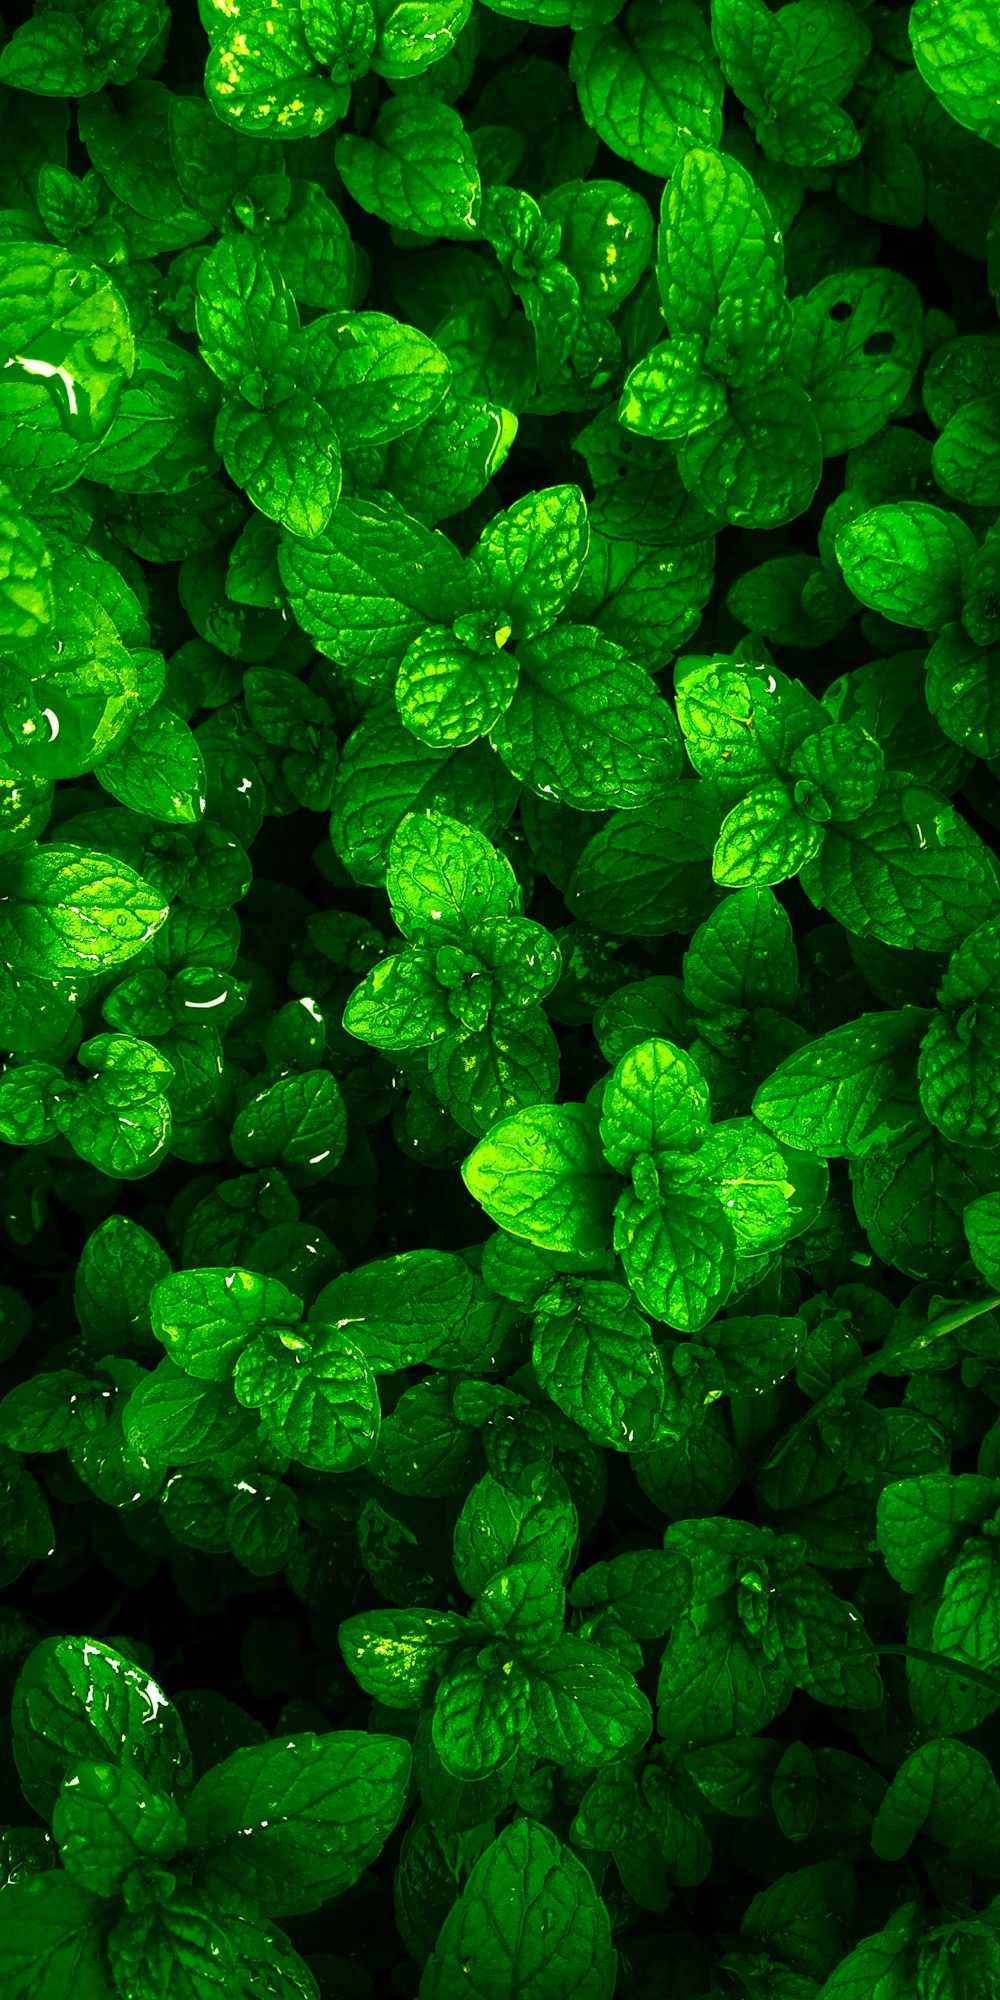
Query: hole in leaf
x: 879, y: 343
x: 842, y: 310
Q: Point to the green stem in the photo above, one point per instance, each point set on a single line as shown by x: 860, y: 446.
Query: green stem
x: 950, y: 1665
x: 863, y: 1372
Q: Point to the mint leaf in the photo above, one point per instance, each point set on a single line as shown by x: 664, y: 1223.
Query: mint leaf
x: 205, y: 1318
x: 298, y: 1820
x: 542, y: 1176
x: 247, y: 322
x: 417, y: 170
x: 957, y: 52
x: 488, y: 1929
x: 448, y: 693
x: 261, y: 76
x: 366, y: 588
x: 909, y: 871
x: 378, y: 378
x: 650, y: 86
x: 594, y: 1355
x: 66, y: 910
x: 585, y: 725
x: 853, y: 1090
x: 286, y: 459
x: 655, y: 1103
x: 53, y: 1932
x: 79, y: 1699
x: 679, y: 1254
x: 758, y: 464
x: 855, y: 349
x: 907, y: 559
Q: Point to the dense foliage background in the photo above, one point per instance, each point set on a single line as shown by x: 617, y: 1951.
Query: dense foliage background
x: 500, y: 1000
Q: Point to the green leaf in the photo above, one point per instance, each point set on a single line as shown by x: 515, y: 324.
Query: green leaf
x: 402, y: 1310
x: 982, y: 1227
x: 607, y: 237
x: 853, y: 1090
x: 367, y: 587
x: 672, y: 394
x: 53, y: 57
x: 750, y: 1176
x: 763, y: 840
x: 679, y: 1254
x: 720, y: 266
x: 444, y: 878
x: 911, y: 1200
x: 247, y: 322
x: 295, y: 1821
x: 647, y: 873
x: 298, y: 1123
x: 398, y: 1657
x: 959, y: 1077
x: 759, y: 464
x: 401, y: 1005
x: 910, y: 871
x: 481, y: 1716
x: 743, y: 724
x: 287, y: 461
x: 448, y: 694
x: 586, y: 725
x: 487, y: 1073
x: 743, y: 956
x: 529, y: 1921
x: 313, y: 247
x: 53, y: 1932
x: 78, y: 1699
x: 944, y: 1788
x: 957, y: 51
x: 907, y: 560
x: 543, y: 1177
x: 922, y: 1521
x: 530, y: 558
x: 501, y: 1525
x: 585, y: 1706
x: 417, y: 170
x: 413, y: 36
x: 824, y: 1645
x: 525, y: 1607
x: 963, y: 691
x: 173, y: 1947
x: 378, y: 378
x: 716, y: 1680
x: 855, y: 349
x: 656, y: 1103
x: 45, y: 1412
x: 66, y: 340
x: 109, y: 1820
x: 791, y: 74
x: 262, y: 1526
x: 341, y: 35
x: 174, y: 1419
x: 261, y: 75
x: 159, y: 769
x: 27, y: 605
x: 327, y: 1413
x: 121, y: 1120
x: 964, y: 457
x: 594, y: 1355
x: 205, y: 1318
x: 66, y: 910
x: 967, y: 1623
x: 650, y: 86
